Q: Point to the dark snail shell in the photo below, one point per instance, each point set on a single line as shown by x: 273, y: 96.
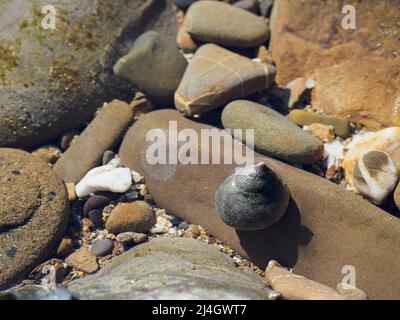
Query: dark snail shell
x: 253, y: 198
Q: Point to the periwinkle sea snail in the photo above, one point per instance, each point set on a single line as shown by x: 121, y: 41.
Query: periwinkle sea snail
x: 253, y: 198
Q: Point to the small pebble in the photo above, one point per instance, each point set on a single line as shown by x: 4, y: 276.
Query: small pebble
x: 108, y: 156
x: 131, y: 195
x: 71, y: 191
x: 127, y: 238
x: 49, y: 154
x: 64, y: 248
x: 102, y: 247
x: 67, y: 139
x: 105, y: 178
x: 96, y: 216
x: 136, y: 217
x: 95, y: 202
x: 322, y: 132
x: 175, y: 222
x: 183, y: 226
x: 83, y: 260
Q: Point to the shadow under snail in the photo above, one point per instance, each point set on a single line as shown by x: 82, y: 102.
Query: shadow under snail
x: 253, y: 198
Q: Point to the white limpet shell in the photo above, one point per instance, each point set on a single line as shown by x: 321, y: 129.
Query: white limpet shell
x: 105, y: 178
x: 386, y: 140
x: 375, y: 179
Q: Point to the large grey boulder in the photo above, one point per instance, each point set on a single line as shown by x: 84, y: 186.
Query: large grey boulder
x: 54, y: 80
x: 171, y: 268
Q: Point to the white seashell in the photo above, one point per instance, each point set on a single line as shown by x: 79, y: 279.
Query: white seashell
x: 105, y: 178
x: 375, y: 176
x: 386, y: 140
x: 333, y: 154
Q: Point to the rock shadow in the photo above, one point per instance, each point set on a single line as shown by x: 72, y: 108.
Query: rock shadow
x: 280, y: 242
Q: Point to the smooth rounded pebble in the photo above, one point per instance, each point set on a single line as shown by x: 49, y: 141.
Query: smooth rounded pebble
x: 105, y: 178
x: 102, y: 247
x: 274, y: 135
x: 136, y: 217
x: 95, y: 202
x: 224, y: 24
x: 155, y: 66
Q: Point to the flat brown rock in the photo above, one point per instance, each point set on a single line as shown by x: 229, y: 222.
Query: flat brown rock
x: 325, y: 228
x: 33, y: 213
x: 217, y: 76
x: 356, y: 71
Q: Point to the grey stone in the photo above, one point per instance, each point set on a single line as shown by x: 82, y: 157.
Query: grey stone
x: 102, y: 247
x: 253, y: 198
x: 155, y: 66
x: 274, y: 135
x: 96, y: 216
x: 51, y: 81
x: 108, y: 156
x: 224, y: 24
x: 171, y: 268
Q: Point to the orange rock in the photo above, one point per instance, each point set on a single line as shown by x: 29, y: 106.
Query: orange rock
x: 356, y: 71
x: 83, y: 260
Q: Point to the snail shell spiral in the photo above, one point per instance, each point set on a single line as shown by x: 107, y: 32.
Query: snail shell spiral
x: 253, y: 198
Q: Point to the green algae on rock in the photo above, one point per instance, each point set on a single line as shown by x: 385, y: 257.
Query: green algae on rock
x: 52, y: 81
x: 33, y: 214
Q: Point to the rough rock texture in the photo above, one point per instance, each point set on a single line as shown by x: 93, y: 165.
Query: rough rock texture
x: 356, y: 71
x: 217, y: 76
x: 104, y: 132
x: 171, y: 269
x: 52, y: 81
x: 274, y: 135
x: 33, y: 213
x: 325, y: 228
x: 155, y: 66
x: 226, y: 25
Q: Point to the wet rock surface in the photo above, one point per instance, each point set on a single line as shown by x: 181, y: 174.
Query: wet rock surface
x: 54, y: 80
x: 33, y: 213
x: 304, y: 238
x: 204, y: 273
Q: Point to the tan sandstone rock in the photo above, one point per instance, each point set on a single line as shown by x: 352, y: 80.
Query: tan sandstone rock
x: 356, y: 71
x: 324, y: 229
